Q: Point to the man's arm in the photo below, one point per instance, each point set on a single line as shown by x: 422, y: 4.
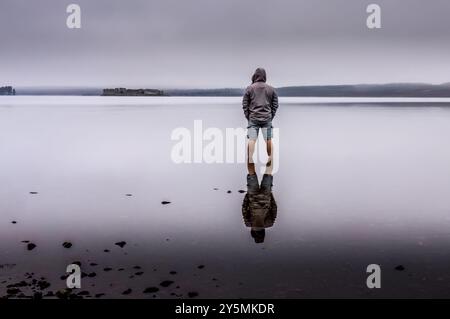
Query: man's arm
x: 274, y: 105
x: 246, y: 103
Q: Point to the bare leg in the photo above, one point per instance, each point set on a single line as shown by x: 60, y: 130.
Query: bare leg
x: 250, y: 152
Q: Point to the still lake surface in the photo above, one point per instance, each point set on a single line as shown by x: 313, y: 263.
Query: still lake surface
x: 360, y: 181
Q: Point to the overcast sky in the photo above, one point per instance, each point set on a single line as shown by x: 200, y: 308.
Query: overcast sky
x: 218, y: 43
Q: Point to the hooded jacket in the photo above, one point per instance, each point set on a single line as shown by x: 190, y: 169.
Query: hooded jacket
x: 260, y: 101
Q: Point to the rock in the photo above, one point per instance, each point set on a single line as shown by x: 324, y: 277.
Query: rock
x: 400, y: 268
x: 43, y: 284
x: 173, y: 272
x: 241, y: 191
x: 13, y: 291
x: 93, y: 264
x: 92, y: 275
x: 151, y: 290
x: 192, y: 294
x: 137, y: 267
x: 31, y: 246
x: 120, y: 269
x: 164, y: 202
x: 139, y: 273
x: 67, y: 244
x: 128, y: 195
x: 13, y: 222
x: 166, y: 283
x: 215, y: 188
x: 99, y: 295
x: 34, y: 193
x: 127, y: 292
x: 106, y: 250
x: 229, y: 192
x: 201, y: 267
x: 121, y: 244
x: 107, y: 269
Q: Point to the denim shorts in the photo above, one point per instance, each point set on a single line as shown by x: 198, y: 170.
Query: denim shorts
x: 253, y: 129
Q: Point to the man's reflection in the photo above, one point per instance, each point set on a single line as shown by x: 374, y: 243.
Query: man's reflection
x: 259, y: 208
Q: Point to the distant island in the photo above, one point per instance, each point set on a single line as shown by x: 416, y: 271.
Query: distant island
x: 132, y: 92
x: 7, y: 90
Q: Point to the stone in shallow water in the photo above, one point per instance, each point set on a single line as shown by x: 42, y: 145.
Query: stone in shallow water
x: 166, y: 283
x: 121, y: 244
x: 173, y: 272
x: 127, y: 292
x: 241, y: 191
x: 14, y: 222
x: 31, y: 246
x: 192, y: 294
x: 151, y: 290
x: 165, y: 202
x: 229, y: 192
x: 201, y: 267
x: 92, y: 275
x: 34, y: 193
x: 400, y: 268
x: 106, y: 250
x: 107, y: 269
x: 67, y: 244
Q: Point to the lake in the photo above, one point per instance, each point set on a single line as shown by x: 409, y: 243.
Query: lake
x: 358, y: 182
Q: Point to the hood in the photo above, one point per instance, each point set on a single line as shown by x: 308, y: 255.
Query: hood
x: 259, y: 75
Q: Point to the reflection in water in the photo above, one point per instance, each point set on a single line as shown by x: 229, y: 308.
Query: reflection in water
x: 259, y: 208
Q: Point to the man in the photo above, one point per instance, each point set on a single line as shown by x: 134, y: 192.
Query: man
x: 260, y: 104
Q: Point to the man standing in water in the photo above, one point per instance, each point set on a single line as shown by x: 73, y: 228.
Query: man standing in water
x: 260, y: 103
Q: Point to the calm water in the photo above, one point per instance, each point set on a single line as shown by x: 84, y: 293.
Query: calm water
x: 358, y: 183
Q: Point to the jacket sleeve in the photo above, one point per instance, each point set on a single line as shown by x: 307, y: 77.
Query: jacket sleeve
x: 274, y: 105
x: 246, y: 103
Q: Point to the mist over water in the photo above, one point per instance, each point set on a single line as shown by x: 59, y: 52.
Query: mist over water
x: 358, y: 183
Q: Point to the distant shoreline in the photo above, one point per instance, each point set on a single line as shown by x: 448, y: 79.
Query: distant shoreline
x: 400, y: 90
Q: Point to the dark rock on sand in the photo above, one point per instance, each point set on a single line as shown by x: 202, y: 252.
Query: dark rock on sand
x: 107, y: 269
x: 137, y: 267
x: 151, y: 290
x: 121, y: 244
x: 106, y: 250
x: 120, y: 269
x: 192, y: 294
x: 165, y: 202
x: 34, y: 193
x: 128, y: 195
x: 13, y: 291
x: 201, y: 267
x: 173, y: 272
x: 67, y: 244
x: 166, y: 283
x: 400, y: 268
x: 99, y: 295
x: 127, y: 292
x: 241, y: 191
x: 13, y: 222
x: 31, y: 246
x: 139, y: 273
x: 92, y: 275
x: 229, y: 192
x: 43, y: 284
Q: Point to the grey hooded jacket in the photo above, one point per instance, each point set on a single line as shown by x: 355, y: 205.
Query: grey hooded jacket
x: 260, y: 101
